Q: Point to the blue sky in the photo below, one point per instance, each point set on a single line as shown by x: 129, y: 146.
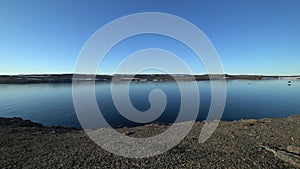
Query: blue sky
x: 251, y: 36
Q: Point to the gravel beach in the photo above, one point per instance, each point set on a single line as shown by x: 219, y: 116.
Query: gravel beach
x: 264, y: 143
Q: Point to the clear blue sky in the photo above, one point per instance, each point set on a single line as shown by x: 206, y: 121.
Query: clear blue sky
x: 251, y: 36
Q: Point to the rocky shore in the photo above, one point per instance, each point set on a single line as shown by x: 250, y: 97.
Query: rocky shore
x: 264, y: 143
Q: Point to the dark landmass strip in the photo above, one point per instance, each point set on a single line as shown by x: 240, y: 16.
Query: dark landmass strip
x: 68, y: 78
x: 264, y: 143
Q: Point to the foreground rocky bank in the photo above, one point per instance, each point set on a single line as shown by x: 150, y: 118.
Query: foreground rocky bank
x: 265, y: 143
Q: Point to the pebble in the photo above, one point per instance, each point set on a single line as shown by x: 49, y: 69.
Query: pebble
x: 128, y: 133
x: 293, y: 149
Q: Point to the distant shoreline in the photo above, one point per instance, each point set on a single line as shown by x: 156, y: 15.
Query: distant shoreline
x: 69, y: 78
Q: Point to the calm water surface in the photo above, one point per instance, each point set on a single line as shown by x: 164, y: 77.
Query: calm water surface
x: 52, y: 104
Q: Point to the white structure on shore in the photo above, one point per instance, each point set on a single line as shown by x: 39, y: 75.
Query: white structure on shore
x: 290, y: 78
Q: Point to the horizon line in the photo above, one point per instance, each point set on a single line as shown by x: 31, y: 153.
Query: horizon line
x: 27, y: 74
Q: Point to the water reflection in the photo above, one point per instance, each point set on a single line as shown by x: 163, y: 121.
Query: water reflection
x: 51, y: 104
